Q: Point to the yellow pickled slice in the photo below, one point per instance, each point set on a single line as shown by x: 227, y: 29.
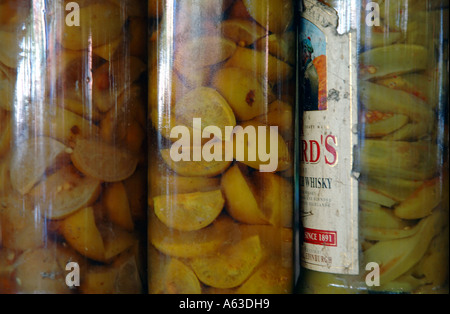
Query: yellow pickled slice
x: 177, y: 278
x: 103, y: 161
x: 163, y: 184
x: 12, y: 50
x: 195, y: 168
x: 189, y: 212
x: 372, y: 215
x: 101, y: 23
x: 38, y: 272
x: 242, y: 32
x: 112, y: 79
x: 22, y: 227
x: 31, y: 159
x: 241, y: 197
x: 396, y: 257
x: 383, y: 234
x: 108, y: 50
x: 230, y: 266
x: 269, y: 278
x: 205, y: 103
x: 62, y: 125
x: 395, y: 188
x: 243, y: 91
x: 201, y: 52
x: 276, y: 242
x: 276, y: 197
x: 6, y: 88
x: 261, y: 64
x: 117, y: 205
x: 434, y: 266
x: 279, y: 45
x: 274, y: 15
x: 422, y: 202
x: 128, y: 279
x: 99, y: 280
x: 64, y: 192
x: 247, y: 141
x: 81, y: 232
x: 279, y: 114
x: 115, y: 240
x: 187, y: 244
x: 5, y: 132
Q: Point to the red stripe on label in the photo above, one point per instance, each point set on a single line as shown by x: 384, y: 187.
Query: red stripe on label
x: 320, y: 237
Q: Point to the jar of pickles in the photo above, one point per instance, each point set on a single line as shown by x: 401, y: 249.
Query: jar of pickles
x: 221, y: 111
x: 73, y: 146
x: 387, y: 153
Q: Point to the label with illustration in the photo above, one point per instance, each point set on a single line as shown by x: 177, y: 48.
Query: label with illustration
x: 328, y: 187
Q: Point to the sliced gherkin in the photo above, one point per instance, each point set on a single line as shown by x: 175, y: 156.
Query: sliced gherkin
x: 404, y: 160
x: 392, y: 60
x: 380, y: 98
x: 396, y: 257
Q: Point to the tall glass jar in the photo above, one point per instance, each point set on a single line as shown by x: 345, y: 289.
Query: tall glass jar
x: 72, y: 146
x: 390, y: 232
x: 221, y: 105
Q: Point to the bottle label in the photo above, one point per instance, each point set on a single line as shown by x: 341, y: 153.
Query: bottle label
x: 329, y: 188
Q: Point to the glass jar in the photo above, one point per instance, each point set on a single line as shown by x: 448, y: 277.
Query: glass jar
x: 73, y: 146
x: 222, y: 106
x: 393, y: 89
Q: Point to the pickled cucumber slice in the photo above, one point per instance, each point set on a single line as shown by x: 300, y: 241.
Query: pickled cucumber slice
x: 189, y: 212
x: 395, y: 188
x: 372, y: 215
x: 230, y: 266
x: 392, y: 60
x: 396, y: 257
x: 404, y: 160
x: 374, y: 196
x: 103, y: 161
x: 379, y: 124
x: 64, y: 192
x: 31, y: 159
x: 380, y: 98
x: 422, y: 202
